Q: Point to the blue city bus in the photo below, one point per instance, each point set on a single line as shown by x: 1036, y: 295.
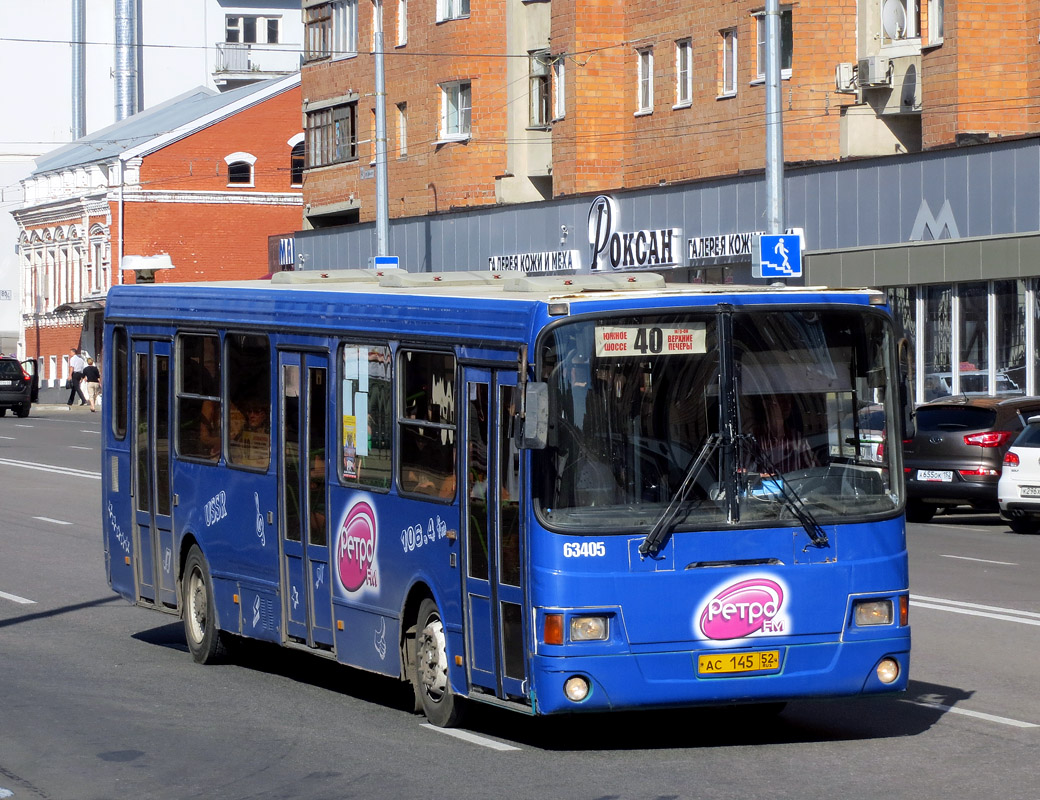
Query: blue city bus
x: 548, y: 493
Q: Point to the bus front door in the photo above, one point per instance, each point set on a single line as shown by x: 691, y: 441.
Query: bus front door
x: 493, y: 589
x: 150, y: 426
x: 306, y: 581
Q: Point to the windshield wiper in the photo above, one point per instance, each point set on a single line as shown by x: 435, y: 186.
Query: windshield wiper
x: 791, y: 498
x: 655, y: 540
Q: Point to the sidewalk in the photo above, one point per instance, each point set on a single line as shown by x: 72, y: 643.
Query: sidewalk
x: 56, y: 396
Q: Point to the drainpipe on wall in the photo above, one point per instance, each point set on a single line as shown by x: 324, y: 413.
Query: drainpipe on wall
x: 79, y: 68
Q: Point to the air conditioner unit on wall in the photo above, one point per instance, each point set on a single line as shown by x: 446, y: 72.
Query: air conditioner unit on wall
x: 873, y: 71
x: 845, y: 77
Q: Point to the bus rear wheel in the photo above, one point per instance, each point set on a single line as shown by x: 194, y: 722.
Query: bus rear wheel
x: 200, y: 619
x: 441, y: 707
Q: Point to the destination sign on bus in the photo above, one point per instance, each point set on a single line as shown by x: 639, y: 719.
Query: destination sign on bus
x: 639, y: 340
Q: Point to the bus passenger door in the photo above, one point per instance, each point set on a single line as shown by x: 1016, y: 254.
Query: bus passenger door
x: 150, y: 427
x: 306, y: 581
x: 493, y: 590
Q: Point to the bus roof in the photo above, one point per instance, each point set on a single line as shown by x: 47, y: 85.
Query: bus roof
x: 481, y: 305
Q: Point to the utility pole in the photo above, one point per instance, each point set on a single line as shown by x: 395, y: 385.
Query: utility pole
x: 774, y: 122
x: 382, y: 203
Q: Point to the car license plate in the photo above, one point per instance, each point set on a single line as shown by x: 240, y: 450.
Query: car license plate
x: 940, y: 475
x: 6, y: 383
x: 735, y: 663
x: 1030, y: 491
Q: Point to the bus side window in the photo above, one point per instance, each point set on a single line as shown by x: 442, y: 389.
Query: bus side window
x: 366, y: 415
x: 248, y: 360
x: 198, y: 397
x: 427, y: 424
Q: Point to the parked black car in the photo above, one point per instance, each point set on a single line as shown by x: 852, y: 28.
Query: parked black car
x: 19, y: 386
x: 956, y: 455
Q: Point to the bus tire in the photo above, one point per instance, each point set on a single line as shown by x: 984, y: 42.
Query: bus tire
x: 440, y: 706
x: 200, y: 620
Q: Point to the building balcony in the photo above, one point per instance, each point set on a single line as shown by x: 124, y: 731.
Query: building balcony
x: 239, y: 64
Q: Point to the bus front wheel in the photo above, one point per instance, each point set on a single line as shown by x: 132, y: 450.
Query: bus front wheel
x: 200, y: 619
x: 440, y: 706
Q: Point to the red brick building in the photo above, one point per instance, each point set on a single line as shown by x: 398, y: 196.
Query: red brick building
x: 193, y: 187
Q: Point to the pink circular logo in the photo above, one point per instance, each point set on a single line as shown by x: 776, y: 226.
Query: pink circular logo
x: 743, y: 609
x: 356, y: 547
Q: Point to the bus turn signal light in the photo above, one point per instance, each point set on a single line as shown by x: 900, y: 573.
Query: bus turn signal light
x: 553, y: 629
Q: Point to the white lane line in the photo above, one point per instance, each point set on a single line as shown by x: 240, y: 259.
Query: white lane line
x: 9, y: 438
x: 975, y: 610
x: 79, y: 473
x: 16, y: 599
x: 55, y: 521
x: 1015, y: 723
x: 84, y: 447
x: 982, y: 560
x: 473, y: 738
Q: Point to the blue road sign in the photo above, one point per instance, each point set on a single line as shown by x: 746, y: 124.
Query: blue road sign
x: 779, y: 256
x: 384, y: 262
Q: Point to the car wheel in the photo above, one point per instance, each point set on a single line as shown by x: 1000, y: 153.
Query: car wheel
x: 200, y: 618
x: 1026, y: 525
x: 916, y: 511
x: 23, y: 409
x: 3, y: 412
x: 441, y: 707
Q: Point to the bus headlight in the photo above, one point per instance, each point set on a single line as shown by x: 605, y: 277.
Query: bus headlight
x: 576, y: 688
x: 872, y: 612
x: 588, y: 629
x: 888, y: 670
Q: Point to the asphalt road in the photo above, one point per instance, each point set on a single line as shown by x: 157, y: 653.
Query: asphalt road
x: 101, y: 700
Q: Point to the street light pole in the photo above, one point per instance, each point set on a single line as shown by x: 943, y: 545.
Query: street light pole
x: 774, y: 122
x: 382, y: 203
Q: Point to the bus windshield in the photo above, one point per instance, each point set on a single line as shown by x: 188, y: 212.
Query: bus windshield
x: 806, y: 410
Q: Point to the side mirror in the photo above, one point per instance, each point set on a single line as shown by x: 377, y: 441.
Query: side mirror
x: 533, y: 433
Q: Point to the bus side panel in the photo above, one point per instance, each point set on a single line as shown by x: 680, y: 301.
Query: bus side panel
x: 382, y: 546
x: 118, y: 518
x: 226, y: 511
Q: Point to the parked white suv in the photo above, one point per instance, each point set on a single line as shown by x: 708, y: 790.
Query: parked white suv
x: 1018, y: 490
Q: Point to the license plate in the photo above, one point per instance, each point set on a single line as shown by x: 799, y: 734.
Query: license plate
x: 940, y: 475
x: 1030, y: 491
x: 736, y: 663
x: 6, y: 383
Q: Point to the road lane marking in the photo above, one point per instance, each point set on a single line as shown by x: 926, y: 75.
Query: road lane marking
x: 78, y: 473
x: 982, y: 560
x: 84, y: 447
x: 967, y: 712
x: 16, y: 599
x: 975, y: 609
x: 473, y: 738
x: 55, y: 521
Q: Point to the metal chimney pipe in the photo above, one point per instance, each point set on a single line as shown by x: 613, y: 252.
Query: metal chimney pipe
x: 79, y: 68
x: 125, y: 72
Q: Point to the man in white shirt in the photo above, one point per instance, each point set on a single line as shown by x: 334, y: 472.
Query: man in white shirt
x: 76, y: 365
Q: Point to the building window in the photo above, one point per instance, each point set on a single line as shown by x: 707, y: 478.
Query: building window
x: 900, y: 20
x: 456, y: 110
x: 728, y: 84
x: 646, y: 81
x: 402, y: 22
x: 786, y: 43
x: 683, y: 72
x: 452, y: 9
x: 935, y: 21
x: 559, y: 89
x: 240, y: 169
x: 402, y: 130
x: 331, y: 135
x: 296, y: 163
x: 539, y: 88
x: 344, y: 28
x: 317, y: 24
x: 252, y: 30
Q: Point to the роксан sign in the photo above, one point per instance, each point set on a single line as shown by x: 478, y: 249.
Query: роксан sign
x: 642, y: 249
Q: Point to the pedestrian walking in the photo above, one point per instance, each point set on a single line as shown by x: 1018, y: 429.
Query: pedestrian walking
x: 76, y: 365
x: 92, y: 378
